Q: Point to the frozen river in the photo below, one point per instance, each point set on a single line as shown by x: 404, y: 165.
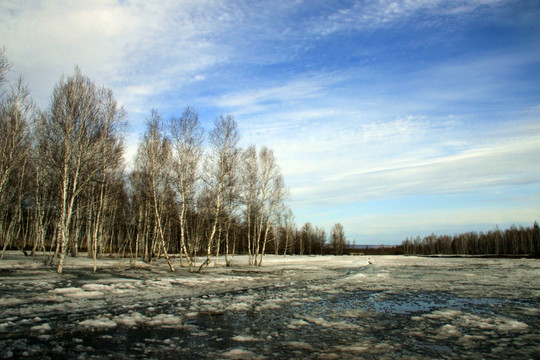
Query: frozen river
x: 295, y: 307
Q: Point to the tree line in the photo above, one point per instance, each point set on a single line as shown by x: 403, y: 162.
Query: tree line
x: 512, y: 241
x: 64, y: 187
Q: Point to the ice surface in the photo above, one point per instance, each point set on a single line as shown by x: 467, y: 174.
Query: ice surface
x: 321, y: 307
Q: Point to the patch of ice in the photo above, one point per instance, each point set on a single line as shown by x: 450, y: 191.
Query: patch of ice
x: 66, y: 290
x: 500, y: 324
x: 85, y: 295
x: 448, y: 331
x: 245, y: 338
x: 340, y: 325
x: 356, y: 277
x: 356, y: 313
x: 446, y: 314
x: 530, y: 310
x: 132, y: 319
x: 353, y: 348
x: 299, y: 345
x: 41, y: 328
x: 96, y: 287
x: 384, y: 347
x: 239, y: 307
x: 297, y: 323
x: 329, y: 356
x: 469, y: 340
x: 99, y: 322
x: 239, y: 354
x: 137, y: 319
x: 508, y: 325
x: 9, y: 301
x: 166, y: 320
x: 271, y: 304
x: 49, y: 298
x: 76, y: 293
x: 125, y: 285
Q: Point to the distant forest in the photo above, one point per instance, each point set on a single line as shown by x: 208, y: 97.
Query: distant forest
x: 512, y: 241
x: 64, y: 187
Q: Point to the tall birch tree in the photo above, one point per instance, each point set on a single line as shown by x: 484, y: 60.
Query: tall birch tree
x: 223, y: 141
x: 153, y: 161
x: 187, y: 137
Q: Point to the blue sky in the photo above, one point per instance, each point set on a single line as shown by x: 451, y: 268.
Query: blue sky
x: 395, y: 118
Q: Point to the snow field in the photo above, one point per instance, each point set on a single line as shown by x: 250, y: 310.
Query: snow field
x: 204, y: 308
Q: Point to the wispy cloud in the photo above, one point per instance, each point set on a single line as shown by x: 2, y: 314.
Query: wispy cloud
x: 363, y: 15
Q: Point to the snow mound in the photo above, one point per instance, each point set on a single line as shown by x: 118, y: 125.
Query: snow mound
x: 41, y: 328
x: 340, y: 325
x: 240, y: 354
x: 299, y: 345
x: 166, y: 321
x: 98, y: 323
x: 245, y: 338
x: 135, y: 319
x: 97, y: 287
x: 77, y: 293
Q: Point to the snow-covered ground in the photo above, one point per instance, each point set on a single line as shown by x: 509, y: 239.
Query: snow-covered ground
x: 321, y: 307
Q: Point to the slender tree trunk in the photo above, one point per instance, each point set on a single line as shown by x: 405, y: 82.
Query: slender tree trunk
x: 227, y: 261
x: 64, y: 219
x: 160, y: 231
x: 248, y: 215
x: 264, y: 244
x: 98, y: 225
x: 212, y: 234
x: 183, y: 235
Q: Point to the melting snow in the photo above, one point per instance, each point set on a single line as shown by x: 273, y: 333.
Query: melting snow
x: 322, y: 307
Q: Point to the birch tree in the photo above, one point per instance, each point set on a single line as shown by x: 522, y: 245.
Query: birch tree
x: 223, y: 141
x: 271, y: 196
x: 187, y: 137
x: 231, y: 197
x: 273, y: 209
x: 250, y: 188
x: 153, y: 160
x: 337, y: 239
x: 111, y: 167
x: 288, y: 225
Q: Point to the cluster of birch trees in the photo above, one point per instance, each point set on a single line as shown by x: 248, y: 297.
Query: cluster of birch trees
x: 512, y: 241
x: 197, y: 194
x: 196, y: 202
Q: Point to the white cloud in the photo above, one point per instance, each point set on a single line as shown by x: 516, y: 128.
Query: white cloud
x: 331, y: 155
x: 375, y: 14
x: 119, y: 44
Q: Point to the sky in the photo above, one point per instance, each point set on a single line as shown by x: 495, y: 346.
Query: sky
x: 393, y: 118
